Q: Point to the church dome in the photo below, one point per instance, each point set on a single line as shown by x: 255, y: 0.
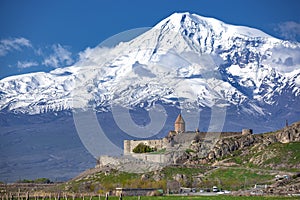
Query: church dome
x: 179, y: 124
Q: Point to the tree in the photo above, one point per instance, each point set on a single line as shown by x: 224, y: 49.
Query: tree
x: 42, y: 180
x: 38, y: 180
x: 142, y: 148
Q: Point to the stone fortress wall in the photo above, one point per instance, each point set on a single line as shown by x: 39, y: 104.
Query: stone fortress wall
x: 177, y: 140
x: 182, y: 138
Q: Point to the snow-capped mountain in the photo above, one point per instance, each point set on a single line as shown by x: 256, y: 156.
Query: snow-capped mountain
x: 172, y: 62
x: 186, y: 62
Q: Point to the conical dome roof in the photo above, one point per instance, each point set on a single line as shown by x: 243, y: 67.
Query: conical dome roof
x: 179, y: 120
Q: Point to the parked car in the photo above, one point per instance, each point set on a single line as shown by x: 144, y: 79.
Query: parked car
x: 215, y: 189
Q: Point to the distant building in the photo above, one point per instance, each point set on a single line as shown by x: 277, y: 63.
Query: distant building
x: 177, y: 139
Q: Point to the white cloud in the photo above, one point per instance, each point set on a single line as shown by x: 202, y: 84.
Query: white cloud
x: 54, y: 56
x: 8, y: 45
x: 60, y: 57
x: 38, y: 52
x: 27, y: 64
x: 289, y: 30
x: 97, y: 55
x: 284, y: 59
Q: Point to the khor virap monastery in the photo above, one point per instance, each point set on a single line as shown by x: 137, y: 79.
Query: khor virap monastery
x: 177, y: 140
x: 168, y: 150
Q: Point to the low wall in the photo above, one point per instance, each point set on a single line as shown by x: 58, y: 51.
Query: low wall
x: 188, y: 137
x: 170, y: 157
x: 157, y: 158
x: 184, y: 137
x: 130, y: 164
x: 134, y: 191
x: 230, y: 134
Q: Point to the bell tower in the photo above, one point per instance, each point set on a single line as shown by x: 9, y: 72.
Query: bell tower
x: 179, y: 124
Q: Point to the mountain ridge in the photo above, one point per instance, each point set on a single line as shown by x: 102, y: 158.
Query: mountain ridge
x: 241, y: 66
x: 244, y: 74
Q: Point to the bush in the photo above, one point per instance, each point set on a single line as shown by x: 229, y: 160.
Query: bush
x: 25, y: 181
x: 142, y: 148
x: 38, y: 180
x: 42, y: 180
x: 189, y: 151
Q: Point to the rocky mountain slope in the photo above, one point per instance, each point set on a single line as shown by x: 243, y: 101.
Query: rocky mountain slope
x: 275, y: 150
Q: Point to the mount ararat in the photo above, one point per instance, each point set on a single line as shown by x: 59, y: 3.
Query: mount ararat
x: 186, y: 62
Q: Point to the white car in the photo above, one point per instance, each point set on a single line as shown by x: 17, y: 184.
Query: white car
x: 215, y: 189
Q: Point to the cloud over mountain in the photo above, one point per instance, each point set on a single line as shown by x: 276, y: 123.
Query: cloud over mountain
x: 13, y: 44
x: 60, y: 57
x: 289, y: 30
x: 26, y: 64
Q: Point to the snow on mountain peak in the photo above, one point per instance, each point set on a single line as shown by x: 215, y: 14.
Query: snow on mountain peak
x: 245, y: 67
x: 190, y: 21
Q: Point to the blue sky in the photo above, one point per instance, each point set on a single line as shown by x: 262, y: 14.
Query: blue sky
x: 43, y: 35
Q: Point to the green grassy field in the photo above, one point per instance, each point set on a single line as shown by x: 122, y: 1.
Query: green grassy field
x: 224, y: 178
x: 101, y: 183
x: 271, y: 157
x: 235, y: 179
x: 190, y: 198
x: 204, y: 197
x: 287, y: 153
x: 128, y: 180
x: 244, y: 175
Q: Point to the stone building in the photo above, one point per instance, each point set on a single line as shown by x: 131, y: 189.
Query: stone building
x: 178, y: 139
x: 164, y: 143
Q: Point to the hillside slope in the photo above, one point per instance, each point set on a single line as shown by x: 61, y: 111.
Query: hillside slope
x: 274, y: 150
x: 238, y: 164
